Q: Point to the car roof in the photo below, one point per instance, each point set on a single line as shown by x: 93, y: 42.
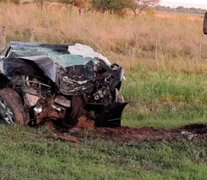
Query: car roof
x: 57, y: 53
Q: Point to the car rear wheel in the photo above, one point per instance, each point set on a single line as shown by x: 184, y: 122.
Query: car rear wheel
x: 11, y: 108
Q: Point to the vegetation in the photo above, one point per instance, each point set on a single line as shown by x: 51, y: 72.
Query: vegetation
x: 26, y: 154
x: 137, y: 6
x: 10, y: 1
x: 112, y: 5
x: 165, y: 60
x: 164, y: 98
x: 181, y: 9
x: 115, y: 6
x: 164, y: 41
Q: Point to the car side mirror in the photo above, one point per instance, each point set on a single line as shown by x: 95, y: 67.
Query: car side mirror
x: 205, y: 24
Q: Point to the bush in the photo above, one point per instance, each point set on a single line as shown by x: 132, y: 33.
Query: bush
x: 111, y: 5
x: 12, y: 1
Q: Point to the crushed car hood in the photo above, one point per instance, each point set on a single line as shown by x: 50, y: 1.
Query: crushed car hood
x: 63, y: 55
x: 72, y: 68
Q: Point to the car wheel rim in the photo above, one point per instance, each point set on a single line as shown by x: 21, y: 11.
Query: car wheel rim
x: 6, y: 113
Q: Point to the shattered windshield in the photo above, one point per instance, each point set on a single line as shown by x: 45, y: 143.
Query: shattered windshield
x: 57, y: 53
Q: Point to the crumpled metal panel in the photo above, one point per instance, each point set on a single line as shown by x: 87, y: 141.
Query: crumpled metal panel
x: 76, y: 80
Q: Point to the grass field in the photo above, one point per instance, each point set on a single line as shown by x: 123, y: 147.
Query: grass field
x: 26, y: 154
x: 166, y: 83
x: 164, y: 99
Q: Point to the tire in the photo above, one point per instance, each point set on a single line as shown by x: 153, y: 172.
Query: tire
x: 11, y: 108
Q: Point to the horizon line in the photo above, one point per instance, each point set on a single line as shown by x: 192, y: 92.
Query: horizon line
x: 187, y: 5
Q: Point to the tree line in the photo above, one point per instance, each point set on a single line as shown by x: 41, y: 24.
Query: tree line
x: 181, y: 9
x: 113, y: 6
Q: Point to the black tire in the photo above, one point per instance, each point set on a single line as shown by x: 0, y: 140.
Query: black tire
x: 11, y: 108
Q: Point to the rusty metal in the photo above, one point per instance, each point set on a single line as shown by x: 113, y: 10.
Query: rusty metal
x: 49, y: 111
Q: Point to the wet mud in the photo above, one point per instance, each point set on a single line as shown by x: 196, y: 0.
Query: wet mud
x: 128, y: 134
x: 86, y: 127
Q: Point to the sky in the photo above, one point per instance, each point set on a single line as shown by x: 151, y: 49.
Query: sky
x: 185, y: 3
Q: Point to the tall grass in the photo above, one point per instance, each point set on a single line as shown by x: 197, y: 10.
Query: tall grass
x: 164, y: 41
x: 148, y: 46
x: 164, y: 99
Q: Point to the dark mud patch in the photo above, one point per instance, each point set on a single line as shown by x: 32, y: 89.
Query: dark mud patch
x: 128, y: 134
x: 86, y: 129
x: 195, y: 128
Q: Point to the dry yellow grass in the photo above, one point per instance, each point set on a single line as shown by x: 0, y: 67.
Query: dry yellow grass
x: 161, y: 41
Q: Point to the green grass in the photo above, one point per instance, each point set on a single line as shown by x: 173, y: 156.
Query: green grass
x: 164, y: 99
x: 25, y: 154
x: 158, y: 98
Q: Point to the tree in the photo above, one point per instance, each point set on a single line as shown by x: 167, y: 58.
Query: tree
x: 80, y: 4
x: 137, y: 6
x: 66, y: 1
x: 111, y: 5
x: 40, y: 3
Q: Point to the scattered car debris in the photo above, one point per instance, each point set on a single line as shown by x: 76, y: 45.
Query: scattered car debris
x: 67, y: 85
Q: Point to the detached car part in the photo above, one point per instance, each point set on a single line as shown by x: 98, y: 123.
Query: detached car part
x: 40, y: 82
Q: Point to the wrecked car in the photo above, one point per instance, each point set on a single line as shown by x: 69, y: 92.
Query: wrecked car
x: 62, y: 83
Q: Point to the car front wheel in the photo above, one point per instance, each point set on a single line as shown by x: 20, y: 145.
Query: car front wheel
x: 11, y: 108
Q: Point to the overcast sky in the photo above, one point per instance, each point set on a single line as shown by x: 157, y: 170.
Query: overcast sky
x: 186, y: 3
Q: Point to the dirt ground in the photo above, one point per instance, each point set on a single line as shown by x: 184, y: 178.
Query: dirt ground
x: 127, y: 134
